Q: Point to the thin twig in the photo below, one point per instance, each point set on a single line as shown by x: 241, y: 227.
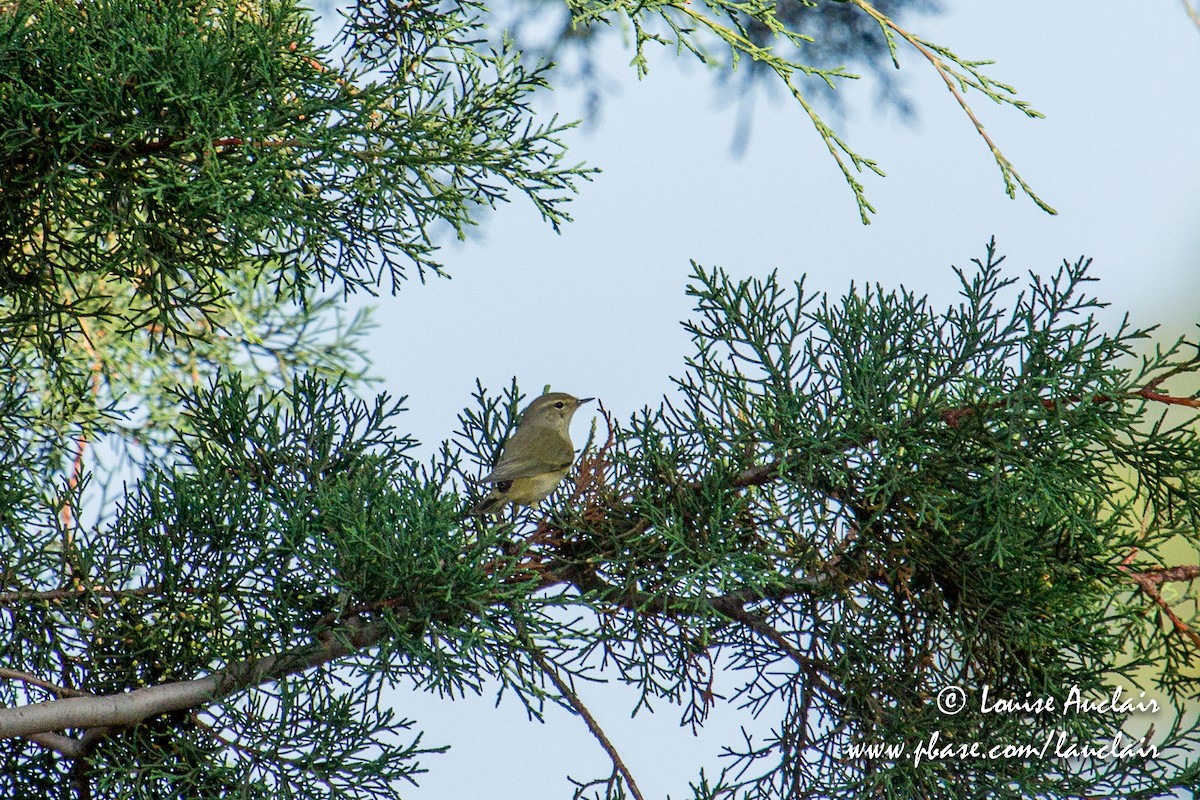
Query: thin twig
x: 1150, y: 580
x: 1161, y: 575
x: 1006, y: 167
x: 1191, y: 10
x: 549, y: 670
x: 1180, y: 626
x: 812, y: 667
x: 1158, y: 397
x: 33, y: 680
x: 33, y: 596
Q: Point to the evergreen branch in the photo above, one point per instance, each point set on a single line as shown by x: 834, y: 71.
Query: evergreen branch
x: 163, y: 144
x: 66, y: 746
x: 762, y: 474
x: 1161, y: 575
x: 130, y: 708
x: 586, y: 580
x: 733, y: 24
x: 1150, y: 588
x: 731, y: 605
x: 1191, y: 12
x: 785, y: 69
x: 550, y: 671
x: 812, y: 667
x: 834, y: 144
x: 33, y: 680
x: 958, y: 82
x: 13, y: 599
x: 303, y: 763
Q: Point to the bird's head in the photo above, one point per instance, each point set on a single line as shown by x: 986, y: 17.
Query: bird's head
x: 553, y: 409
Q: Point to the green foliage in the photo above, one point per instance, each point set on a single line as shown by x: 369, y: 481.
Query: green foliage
x: 846, y: 508
x: 155, y: 154
x: 206, y: 534
x: 835, y: 33
x: 852, y: 505
x: 180, y: 181
x: 280, y: 512
x: 775, y: 37
x: 190, y: 485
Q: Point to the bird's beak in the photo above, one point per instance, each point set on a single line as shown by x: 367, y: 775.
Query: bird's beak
x: 583, y: 400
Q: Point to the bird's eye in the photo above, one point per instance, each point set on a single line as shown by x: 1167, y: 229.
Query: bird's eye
x: 559, y: 404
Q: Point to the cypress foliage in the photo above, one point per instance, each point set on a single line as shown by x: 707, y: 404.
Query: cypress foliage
x: 854, y: 517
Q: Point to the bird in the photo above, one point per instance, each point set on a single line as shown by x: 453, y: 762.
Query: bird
x: 535, y: 458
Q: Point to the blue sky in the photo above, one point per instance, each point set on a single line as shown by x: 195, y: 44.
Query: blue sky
x: 596, y: 310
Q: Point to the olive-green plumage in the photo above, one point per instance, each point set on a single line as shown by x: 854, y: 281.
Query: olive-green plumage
x: 536, y: 457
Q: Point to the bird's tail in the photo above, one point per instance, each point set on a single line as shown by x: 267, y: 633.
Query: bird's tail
x: 491, y: 504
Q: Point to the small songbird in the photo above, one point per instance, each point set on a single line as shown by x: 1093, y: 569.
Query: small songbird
x: 536, y: 457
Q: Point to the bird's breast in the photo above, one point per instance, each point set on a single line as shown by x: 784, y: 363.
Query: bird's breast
x: 533, y: 488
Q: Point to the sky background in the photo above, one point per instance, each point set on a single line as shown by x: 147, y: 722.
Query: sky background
x: 596, y: 309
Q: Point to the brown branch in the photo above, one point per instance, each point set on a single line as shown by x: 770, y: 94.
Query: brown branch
x: 738, y: 612
x: 32, y: 596
x: 812, y: 666
x: 1151, y: 590
x: 1149, y: 581
x: 549, y: 670
x: 1161, y: 575
x: 1192, y: 13
x: 1159, y: 397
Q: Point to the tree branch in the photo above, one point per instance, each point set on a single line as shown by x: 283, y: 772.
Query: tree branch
x: 548, y: 669
x: 1151, y: 590
x: 129, y: 708
x: 50, y: 595
x: 1149, y: 581
x: 812, y: 667
x: 67, y: 746
x: 761, y: 474
x: 1191, y: 11
x: 1161, y: 575
x: 954, y: 80
x: 33, y: 680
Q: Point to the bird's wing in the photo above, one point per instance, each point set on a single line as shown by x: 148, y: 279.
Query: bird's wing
x: 533, y: 459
